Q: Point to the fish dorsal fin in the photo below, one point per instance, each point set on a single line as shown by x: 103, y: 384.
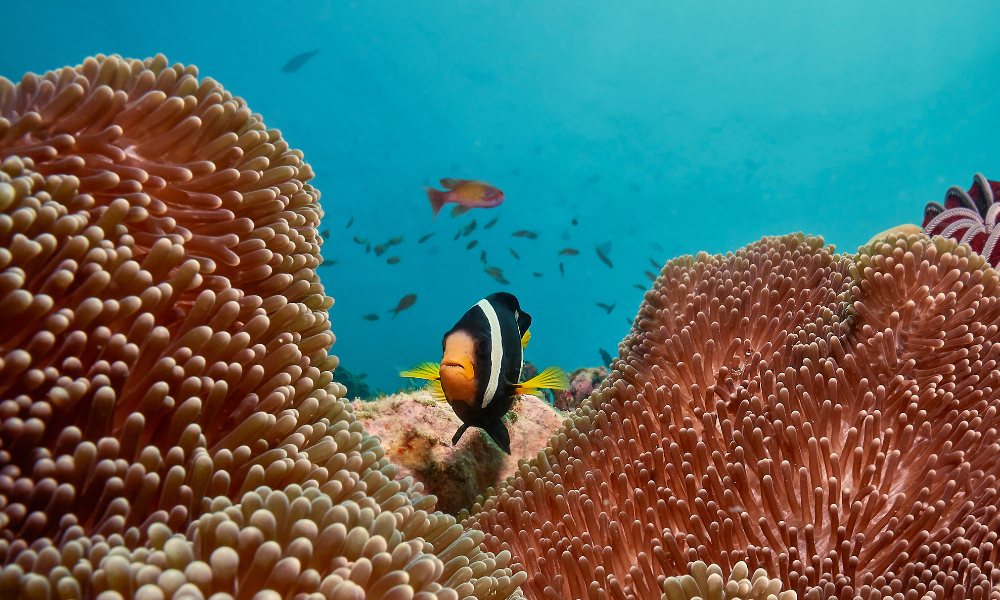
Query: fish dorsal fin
x: 450, y: 184
x: 524, y: 339
x: 552, y: 378
x: 427, y: 370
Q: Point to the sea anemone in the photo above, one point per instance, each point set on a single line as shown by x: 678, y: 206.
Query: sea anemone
x: 831, y: 420
x: 170, y: 427
x: 969, y: 217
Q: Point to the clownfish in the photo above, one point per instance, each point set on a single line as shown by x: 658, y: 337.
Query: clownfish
x: 479, y: 374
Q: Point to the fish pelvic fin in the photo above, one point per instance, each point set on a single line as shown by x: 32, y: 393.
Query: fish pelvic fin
x: 437, y: 199
x: 459, y: 210
x: 437, y: 392
x: 525, y: 339
x: 552, y: 378
x: 499, y: 434
x: 458, y: 435
x: 427, y: 370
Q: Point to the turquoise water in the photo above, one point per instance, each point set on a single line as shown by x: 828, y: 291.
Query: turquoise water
x: 665, y: 128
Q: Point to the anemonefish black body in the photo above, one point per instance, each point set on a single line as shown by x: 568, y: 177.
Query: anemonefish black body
x: 480, y: 372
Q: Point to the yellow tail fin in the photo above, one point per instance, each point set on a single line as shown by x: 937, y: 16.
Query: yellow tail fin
x: 524, y: 339
x: 437, y: 392
x: 427, y: 370
x: 552, y: 378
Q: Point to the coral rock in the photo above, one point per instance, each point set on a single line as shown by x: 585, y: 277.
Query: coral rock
x: 416, y: 433
x: 582, y: 383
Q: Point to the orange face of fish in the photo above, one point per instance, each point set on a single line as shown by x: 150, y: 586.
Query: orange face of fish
x: 458, y: 372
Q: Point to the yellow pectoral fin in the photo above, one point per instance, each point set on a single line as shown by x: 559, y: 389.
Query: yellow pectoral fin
x: 552, y: 378
x: 437, y: 392
x: 427, y: 370
x: 524, y: 339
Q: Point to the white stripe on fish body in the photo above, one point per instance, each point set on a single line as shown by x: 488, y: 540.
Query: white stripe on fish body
x: 496, y: 350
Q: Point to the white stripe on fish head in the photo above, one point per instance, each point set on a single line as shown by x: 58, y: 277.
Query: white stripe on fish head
x: 496, y: 350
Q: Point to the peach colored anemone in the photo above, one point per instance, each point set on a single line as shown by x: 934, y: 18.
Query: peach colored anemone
x: 169, y: 427
x: 829, y: 419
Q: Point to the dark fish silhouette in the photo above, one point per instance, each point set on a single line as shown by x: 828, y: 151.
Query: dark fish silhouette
x: 650, y: 276
x: 657, y: 246
x: 493, y: 271
x: 370, y: 317
x: 562, y: 271
x: 575, y: 222
x: 425, y: 238
x: 467, y: 229
x: 525, y: 233
x: 606, y: 307
x: 537, y: 274
x: 325, y: 233
x: 349, y: 223
x: 380, y: 250
x: 330, y: 263
x: 605, y: 356
x: 368, y: 247
x: 392, y: 260
x: 655, y: 264
x: 394, y: 241
x: 514, y: 253
x: 569, y: 252
x: 482, y: 257
x: 471, y: 245
x: 459, y: 234
x: 404, y: 303
x: 603, y: 257
x: 358, y: 240
x: 639, y: 286
x: 491, y: 223
x: 297, y: 62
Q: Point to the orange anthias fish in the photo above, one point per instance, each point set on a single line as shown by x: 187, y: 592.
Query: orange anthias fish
x: 467, y: 193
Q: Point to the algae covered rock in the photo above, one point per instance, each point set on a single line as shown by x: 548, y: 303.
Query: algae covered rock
x: 416, y: 433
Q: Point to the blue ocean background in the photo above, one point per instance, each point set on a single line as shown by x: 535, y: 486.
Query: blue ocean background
x: 663, y: 127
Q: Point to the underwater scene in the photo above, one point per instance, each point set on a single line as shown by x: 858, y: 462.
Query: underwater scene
x: 479, y: 300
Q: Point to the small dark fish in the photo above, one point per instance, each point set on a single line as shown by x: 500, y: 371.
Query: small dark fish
x: 604, y: 258
x: 466, y: 230
x: 358, y: 240
x: 494, y: 271
x: 297, y: 62
x: 491, y: 223
x: 569, y: 252
x: 607, y: 308
x: 459, y: 234
x: 368, y: 247
x: 514, y: 253
x: 406, y: 302
x: 392, y: 260
x: 655, y: 264
x: 633, y: 187
x: 605, y: 356
x: 501, y: 280
x: 525, y: 233
x: 380, y: 250
x: 605, y: 247
x: 394, y: 241
x: 594, y: 179
x: 650, y: 276
x: 482, y: 257
x: 562, y: 271
x: 537, y: 274
x: 325, y: 233
x: 639, y: 286
x: 575, y: 222
x: 370, y: 317
x: 362, y: 375
x: 330, y: 263
x: 471, y: 245
x: 425, y: 238
x: 349, y: 223
x: 657, y: 246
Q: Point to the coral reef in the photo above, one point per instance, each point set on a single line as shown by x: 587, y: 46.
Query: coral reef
x: 169, y: 424
x: 582, y: 382
x: 416, y: 433
x: 832, y: 420
x: 969, y: 217
x: 356, y: 386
